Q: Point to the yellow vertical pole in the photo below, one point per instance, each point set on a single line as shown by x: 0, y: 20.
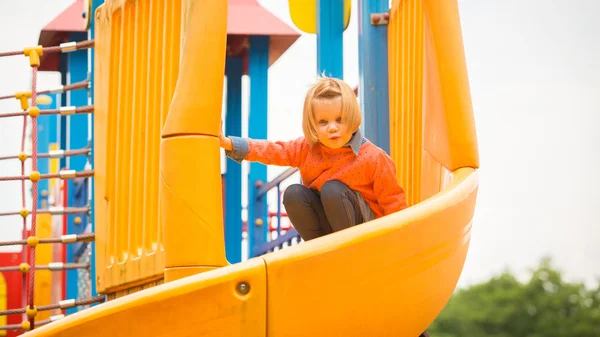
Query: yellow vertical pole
x: 43, y: 256
x: 190, y: 174
x: 3, y: 303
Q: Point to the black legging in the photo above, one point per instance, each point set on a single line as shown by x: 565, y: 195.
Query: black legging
x: 315, y: 214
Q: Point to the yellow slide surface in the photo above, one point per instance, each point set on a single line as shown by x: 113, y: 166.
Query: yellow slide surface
x: 389, y: 277
x: 160, y: 255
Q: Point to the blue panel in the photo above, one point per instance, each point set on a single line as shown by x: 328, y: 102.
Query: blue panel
x: 78, y: 139
x: 233, y: 176
x: 95, y: 4
x: 53, y: 120
x: 330, y: 38
x: 44, y: 131
x: 64, y: 69
x: 257, y: 128
x: 373, y: 73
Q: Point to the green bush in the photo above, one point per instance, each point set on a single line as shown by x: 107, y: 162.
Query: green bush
x: 545, y: 306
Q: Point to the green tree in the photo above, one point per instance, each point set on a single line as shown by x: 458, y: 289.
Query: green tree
x: 545, y: 306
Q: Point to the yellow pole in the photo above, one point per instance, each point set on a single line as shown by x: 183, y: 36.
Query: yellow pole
x: 3, y: 303
x: 190, y: 174
x: 43, y: 256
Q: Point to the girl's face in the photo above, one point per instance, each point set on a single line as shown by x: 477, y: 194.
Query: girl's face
x: 331, y: 131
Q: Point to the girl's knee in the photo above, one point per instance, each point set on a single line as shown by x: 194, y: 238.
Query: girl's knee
x: 333, y: 190
x: 294, y: 193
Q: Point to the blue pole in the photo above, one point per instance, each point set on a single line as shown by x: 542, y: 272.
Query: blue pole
x: 233, y: 175
x: 78, y: 139
x: 330, y: 38
x: 43, y: 134
x: 259, y: 225
x: 64, y: 69
x: 373, y: 73
x: 278, y: 209
x: 53, y: 121
x: 95, y: 5
x: 257, y: 128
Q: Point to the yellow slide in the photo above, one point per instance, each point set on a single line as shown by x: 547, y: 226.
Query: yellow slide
x: 159, y: 226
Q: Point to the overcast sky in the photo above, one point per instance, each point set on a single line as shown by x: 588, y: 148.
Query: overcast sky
x: 534, y: 68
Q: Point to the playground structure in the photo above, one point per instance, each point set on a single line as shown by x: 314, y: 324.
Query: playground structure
x: 163, y: 249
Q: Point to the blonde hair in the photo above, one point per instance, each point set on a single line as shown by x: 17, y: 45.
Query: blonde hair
x: 328, y: 90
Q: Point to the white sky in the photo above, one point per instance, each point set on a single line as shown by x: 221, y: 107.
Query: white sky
x: 534, y: 69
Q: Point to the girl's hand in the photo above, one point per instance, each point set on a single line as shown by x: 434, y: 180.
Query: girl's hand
x: 225, y: 142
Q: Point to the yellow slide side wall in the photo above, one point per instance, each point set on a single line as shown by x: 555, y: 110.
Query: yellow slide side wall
x: 136, y: 65
x: 382, y: 279
x: 432, y: 131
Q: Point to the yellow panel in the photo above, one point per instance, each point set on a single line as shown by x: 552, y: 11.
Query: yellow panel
x: 54, y: 162
x: 203, y: 58
x: 191, y: 193
x: 102, y: 52
x: 207, y: 304
x: 405, y: 38
x: 358, y: 282
x: 431, y: 169
x: 431, y: 119
x: 137, y: 64
x: 304, y: 14
x: 447, y: 92
x: 191, y: 202
x: 43, y: 256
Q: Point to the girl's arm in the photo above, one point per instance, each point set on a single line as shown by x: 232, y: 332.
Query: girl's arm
x: 390, y: 195
x: 289, y: 153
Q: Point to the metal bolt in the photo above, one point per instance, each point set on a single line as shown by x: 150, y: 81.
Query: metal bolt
x: 379, y: 19
x: 243, y: 288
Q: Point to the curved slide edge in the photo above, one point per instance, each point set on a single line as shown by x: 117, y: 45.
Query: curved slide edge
x: 391, y: 276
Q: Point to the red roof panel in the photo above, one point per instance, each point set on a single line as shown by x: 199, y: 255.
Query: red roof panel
x: 248, y: 17
x: 70, y: 20
x: 57, y: 32
x: 245, y: 17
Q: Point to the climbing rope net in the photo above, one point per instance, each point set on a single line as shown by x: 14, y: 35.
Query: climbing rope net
x: 30, y: 240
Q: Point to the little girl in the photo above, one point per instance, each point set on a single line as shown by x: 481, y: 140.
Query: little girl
x: 347, y: 180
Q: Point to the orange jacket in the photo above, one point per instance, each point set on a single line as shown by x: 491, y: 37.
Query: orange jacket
x: 360, y: 165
